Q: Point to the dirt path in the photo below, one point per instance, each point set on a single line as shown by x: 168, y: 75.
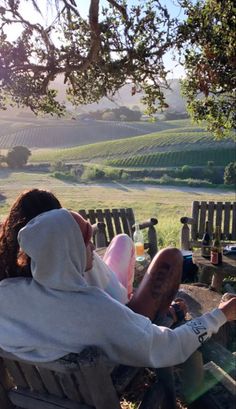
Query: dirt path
x: 127, y: 187
x: 194, y: 190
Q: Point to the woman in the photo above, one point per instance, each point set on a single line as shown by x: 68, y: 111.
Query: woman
x: 66, y: 314
x: 28, y: 205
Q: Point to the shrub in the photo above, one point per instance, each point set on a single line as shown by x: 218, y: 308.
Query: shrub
x: 198, y: 183
x: 166, y: 179
x: 186, y: 171
x: 93, y: 173
x: 58, y: 166
x: 67, y: 176
x: 210, y: 163
x: 112, y: 173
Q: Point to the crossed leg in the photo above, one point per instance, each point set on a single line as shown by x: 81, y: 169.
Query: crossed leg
x: 159, y: 285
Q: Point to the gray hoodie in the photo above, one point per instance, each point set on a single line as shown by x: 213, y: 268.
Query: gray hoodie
x: 57, y: 312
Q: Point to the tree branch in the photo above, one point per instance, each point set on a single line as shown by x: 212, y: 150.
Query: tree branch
x: 120, y: 8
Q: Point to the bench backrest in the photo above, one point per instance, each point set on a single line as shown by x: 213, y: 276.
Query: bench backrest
x: 116, y: 221
x: 76, y: 381
x: 221, y: 214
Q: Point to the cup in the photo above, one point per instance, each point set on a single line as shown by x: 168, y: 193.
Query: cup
x: 139, y: 251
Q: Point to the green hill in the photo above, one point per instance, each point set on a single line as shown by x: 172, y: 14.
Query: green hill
x: 37, y: 133
x: 181, y: 144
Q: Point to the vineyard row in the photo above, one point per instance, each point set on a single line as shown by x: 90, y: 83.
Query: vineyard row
x: 221, y: 157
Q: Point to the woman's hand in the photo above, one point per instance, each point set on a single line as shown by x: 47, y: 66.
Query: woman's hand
x: 229, y: 307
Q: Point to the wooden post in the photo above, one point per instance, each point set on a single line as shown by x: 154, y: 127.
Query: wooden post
x: 152, y: 239
x: 100, y: 237
x: 184, y: 237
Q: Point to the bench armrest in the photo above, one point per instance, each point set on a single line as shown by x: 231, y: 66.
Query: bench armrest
x: 148, y: 223
x: 186, y: 220
x: 185, y: 233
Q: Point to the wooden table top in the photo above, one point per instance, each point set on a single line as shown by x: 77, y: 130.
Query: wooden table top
x: 228, y: 263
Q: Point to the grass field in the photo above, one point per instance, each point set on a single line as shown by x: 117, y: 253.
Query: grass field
x: 166, y: 203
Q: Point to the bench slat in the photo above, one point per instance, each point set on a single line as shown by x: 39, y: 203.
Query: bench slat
x: 226, y: 230
x: 69, y: 387
x: 202, y: 219
x: 100, y: 218
x: 116, y: 216
x: 92, y: 216
x: 51, y: 383
x: 97, y: 380
x: 16, y: 373
x: 33, y: 378
x: 211, y: 206
x: 219, y: 211
x: 126, y: 227
x: 194, y: 227
x: 109, y: 224
x: 84, y: 214
x: 130, y: 215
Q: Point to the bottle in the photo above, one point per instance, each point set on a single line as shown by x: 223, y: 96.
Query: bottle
x: 206, y: 243
x: 138, y: 243
x: 216, y: 249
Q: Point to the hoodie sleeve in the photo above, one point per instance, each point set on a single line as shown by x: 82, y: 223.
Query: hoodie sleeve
x: 141, y: 343
x: 165, y: 347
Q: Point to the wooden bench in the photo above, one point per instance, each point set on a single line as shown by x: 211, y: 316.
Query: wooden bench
x: 218, y: 214
x: 110, y: 222
x: 76, y: 381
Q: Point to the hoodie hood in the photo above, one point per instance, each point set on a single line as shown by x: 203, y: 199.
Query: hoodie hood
x: 58, y: 260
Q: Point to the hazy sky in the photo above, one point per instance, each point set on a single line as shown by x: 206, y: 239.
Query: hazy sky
x: 29, y: 12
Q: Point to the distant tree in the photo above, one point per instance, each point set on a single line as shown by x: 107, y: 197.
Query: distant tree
x: 170, y: 116
x: 230, y: 174
x: 78, y: 170
x: 207, y: 39
x: 108, y: 116
x: 17, y: 157
x: 128, y: 114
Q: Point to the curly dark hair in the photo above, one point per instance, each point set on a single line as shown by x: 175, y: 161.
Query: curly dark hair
x: 28, y: 205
